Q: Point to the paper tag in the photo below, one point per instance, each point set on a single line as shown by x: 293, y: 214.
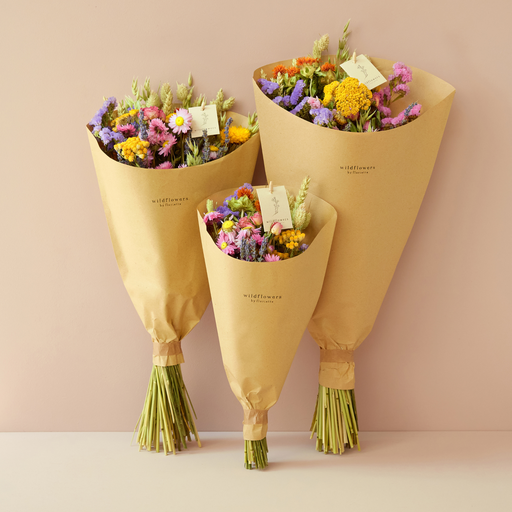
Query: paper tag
x: 364, y: 71
x: 274, y: 207
x: 204, y: 120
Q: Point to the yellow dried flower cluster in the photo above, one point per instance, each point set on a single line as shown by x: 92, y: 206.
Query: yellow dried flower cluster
x: 352, y: 96
x: 132, y: 147
x: 291, y: 238
x: 123, y: 118
x: 237, y: 135
x: 329, y: 92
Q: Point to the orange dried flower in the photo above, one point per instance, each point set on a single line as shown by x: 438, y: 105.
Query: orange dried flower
x: 242, y: 191
x: 278, y: 69
x: 302, y: 61
x: 257, y: 205
x: 292, y: 71
x: 327, y: 67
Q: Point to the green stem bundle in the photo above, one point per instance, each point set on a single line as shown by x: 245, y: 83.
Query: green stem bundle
x: 167, y: 410
x: 335, y: 420
x: 255, y: 454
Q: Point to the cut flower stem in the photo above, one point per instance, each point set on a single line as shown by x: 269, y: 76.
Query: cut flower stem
x: 255, y: 454
x: 335, y: 420
x: 167, y: 410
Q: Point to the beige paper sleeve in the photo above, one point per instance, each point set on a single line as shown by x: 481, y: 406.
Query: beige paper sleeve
x: 262, y: 310
x: 376, y: 182
x: 151, y: 216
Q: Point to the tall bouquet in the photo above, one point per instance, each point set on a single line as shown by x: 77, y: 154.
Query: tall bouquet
x: 370, y: 151
x: 152, y: 171
x: 260, y: 297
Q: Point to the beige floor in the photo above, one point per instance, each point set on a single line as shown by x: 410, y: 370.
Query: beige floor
x: 395, y: 471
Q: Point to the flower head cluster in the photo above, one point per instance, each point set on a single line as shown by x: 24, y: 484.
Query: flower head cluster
x: 349, y: 105
x: 149, y: 131
x: 237, y: 229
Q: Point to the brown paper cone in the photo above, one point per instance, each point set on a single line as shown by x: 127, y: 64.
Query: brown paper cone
x: 262, y: 309
x: 152, y: 223
x: 376, y: 182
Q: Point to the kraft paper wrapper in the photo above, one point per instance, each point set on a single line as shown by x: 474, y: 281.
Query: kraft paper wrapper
x: 156, y: 243
x: 376, y: 209
x: 258, y: 340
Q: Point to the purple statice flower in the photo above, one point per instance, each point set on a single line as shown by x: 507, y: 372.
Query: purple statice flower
x: 303, y: 247
x: 252, y: 249
x: 225, y: 211
x: 298, y: 108
x: 267, y: 86
x: 322, y: 116
x: 286, y: 100
x: 297, y: 93
x: 278, y: 99
x: 108, y: 104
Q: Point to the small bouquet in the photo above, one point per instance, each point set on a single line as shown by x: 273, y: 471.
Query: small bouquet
x: 373, y: 174
x: 147, y: 159
x: 262, y: 310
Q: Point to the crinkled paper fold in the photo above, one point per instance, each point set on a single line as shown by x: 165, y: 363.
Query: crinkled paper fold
x: 262, y: 310
x: 376, y: 182
x: 151, y: 216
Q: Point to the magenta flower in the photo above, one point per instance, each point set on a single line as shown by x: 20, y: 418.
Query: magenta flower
x: 212, y: 216
x: 181, y: 121
x: 157, y: 132
x: 128, y: 130
x: 272, y: 257
x: 151, y: 113
x: 315, y: 103
x: 165, y: 165
x: 169, y: 142
x: 225, y: 244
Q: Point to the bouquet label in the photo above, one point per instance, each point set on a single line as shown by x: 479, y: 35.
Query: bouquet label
x: 274, y: 207
x: 204, y: 118
x: 364, y: 71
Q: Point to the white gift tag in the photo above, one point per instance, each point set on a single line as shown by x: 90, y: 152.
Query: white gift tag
x: 364, y: 71
x: 274, y: 207
x: 204, y: 119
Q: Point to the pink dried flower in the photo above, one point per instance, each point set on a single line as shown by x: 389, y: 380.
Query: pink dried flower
x: 157, y: 132
x: 212, y: 216
x: 128, y: 130
x: 225, y: 244
x: 276, y: 228
x: 272, y: 257
x: 151, y: 113
x: 169, y: 142
x: 181, y: 121
x: 257, y: 219
x: 165, y: 165
x: 315, y: 103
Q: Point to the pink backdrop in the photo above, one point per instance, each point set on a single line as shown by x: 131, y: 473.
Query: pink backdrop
x: 73, y: 353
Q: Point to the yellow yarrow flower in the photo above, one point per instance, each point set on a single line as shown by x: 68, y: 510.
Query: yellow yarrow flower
x: 352, y: 96
x: 329, y: 92
x: 132, y: 147
x: 121, y: 119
